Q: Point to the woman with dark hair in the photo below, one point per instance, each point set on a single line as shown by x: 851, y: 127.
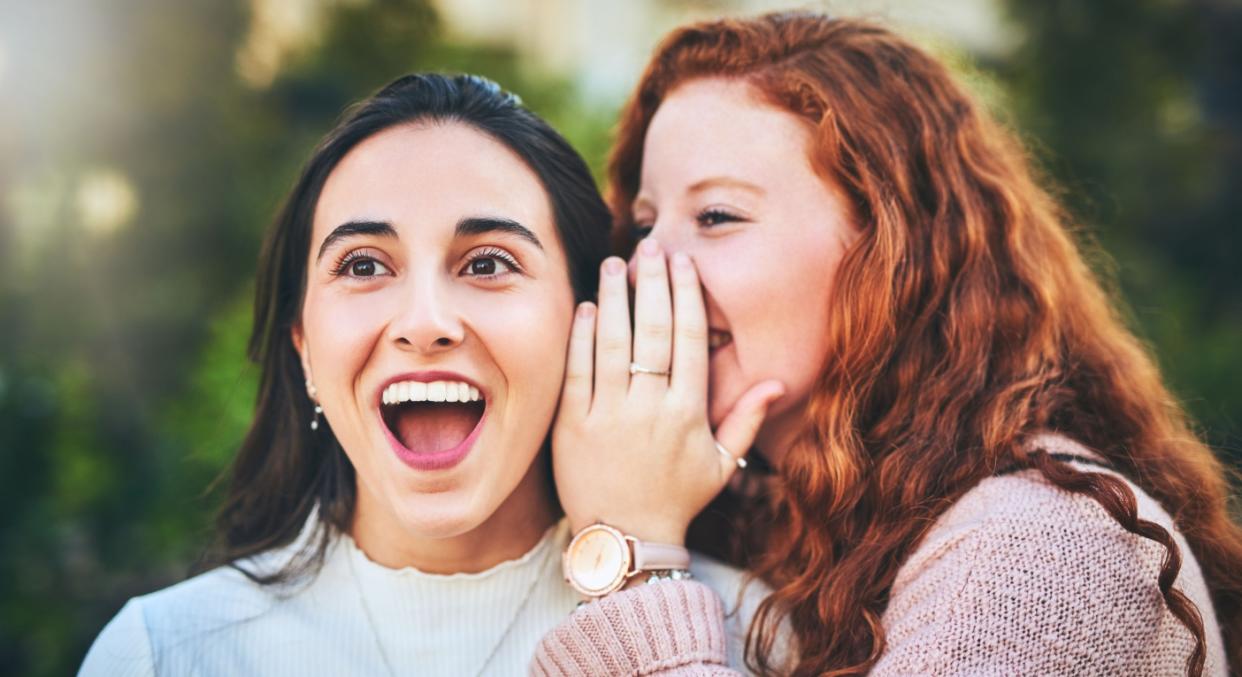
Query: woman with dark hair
x: 967, y: 464
x: 391, y: 509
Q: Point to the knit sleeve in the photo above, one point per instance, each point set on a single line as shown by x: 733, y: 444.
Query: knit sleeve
x: 123, y: 648
x: 670, y: 628
x: 1032, y: 581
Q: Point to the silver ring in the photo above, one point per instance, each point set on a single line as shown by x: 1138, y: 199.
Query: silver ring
x: 741, y: 462
x: 636, y: 368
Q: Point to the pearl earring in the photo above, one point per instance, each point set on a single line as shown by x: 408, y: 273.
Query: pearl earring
x: 313, y: 394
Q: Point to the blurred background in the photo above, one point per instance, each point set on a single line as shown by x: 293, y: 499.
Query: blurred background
x: 145, y: 144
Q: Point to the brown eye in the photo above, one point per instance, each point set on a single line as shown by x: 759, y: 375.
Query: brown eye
x: 485, y: 266
x: 360, y: 265
x: 491, y: 263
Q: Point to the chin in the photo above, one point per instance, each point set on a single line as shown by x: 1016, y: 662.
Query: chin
x: 439, y: 516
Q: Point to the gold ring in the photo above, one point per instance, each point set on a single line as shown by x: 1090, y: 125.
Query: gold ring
x: 636, y: 368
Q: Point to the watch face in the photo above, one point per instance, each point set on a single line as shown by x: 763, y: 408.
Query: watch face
x: 597, y: 560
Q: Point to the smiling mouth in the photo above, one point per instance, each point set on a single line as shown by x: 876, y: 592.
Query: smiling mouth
x: 431, y: 418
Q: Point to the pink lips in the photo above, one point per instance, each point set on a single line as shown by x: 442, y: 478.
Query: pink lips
x: 444, y: 458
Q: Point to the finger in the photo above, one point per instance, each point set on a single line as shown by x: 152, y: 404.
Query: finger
x: 737, y: 432
x: 689, y: 331
x: 579, y: 364
x: 653, y: 320
x: 612, y: 335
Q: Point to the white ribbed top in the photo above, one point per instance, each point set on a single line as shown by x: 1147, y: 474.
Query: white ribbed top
x: 357, y: 617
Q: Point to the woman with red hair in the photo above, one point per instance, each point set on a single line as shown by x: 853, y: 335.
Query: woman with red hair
x: 964, y: 461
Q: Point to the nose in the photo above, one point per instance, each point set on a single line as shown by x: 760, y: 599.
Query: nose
x: 427, y: 321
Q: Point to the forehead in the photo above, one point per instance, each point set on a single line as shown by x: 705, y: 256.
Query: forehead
x: 427, y: 177
x: 724, y: 126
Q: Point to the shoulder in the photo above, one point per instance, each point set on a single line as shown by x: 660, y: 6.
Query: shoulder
x: 218, y: 598
x: 1022, y: 513
x: 1048, y: 578
x: 207, y: 623
x: 1011, y: 514
x: 124, y: 646
x: 148, y: 626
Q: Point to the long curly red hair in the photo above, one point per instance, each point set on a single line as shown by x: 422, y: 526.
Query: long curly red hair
x: 968, y: 321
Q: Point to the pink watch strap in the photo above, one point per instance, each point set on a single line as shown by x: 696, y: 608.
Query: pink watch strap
x: 656, y: 556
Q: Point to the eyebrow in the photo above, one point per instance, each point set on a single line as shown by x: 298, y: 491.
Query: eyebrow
x: 480, y: 225
x: 353, y: 228
x: 707, y: 184
x: 474, y: 225
x: 725, y: 182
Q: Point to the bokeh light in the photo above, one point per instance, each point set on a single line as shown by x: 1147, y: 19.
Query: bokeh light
x: 106, y: 200
x: 278, y: 28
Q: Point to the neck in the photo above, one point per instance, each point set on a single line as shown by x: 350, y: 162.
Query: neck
x: 511, y: 531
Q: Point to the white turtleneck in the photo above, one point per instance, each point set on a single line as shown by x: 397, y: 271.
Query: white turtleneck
x: 357, y: 617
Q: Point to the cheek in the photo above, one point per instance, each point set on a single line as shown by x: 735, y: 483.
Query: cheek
x: 776, y: 305
x: 340, y: 331
x: 766, y: 298
x: 788, y: 323
x: 527, y: 335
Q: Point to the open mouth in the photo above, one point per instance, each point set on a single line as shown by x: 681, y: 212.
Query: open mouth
x: 431, y: 419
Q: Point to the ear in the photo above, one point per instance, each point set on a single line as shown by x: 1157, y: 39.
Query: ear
x: 299, y: 344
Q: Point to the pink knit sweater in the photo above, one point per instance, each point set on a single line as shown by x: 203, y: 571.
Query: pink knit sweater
x: 1017, y: 577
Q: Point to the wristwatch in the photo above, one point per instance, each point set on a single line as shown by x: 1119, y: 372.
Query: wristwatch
x: 600, y: 559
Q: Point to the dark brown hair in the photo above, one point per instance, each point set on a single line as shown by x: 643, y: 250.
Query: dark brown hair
x: 966, y: 321
x: 285, y: 470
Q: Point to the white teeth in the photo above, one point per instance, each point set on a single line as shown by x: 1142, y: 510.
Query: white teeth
x: 436, y: 391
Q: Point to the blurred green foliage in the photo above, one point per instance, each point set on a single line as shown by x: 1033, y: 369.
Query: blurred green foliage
x: 1135, y: 107
x: 123, y: 385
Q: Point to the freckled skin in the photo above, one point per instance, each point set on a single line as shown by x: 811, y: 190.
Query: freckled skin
x: 727, y: 179
x: 423, y: 306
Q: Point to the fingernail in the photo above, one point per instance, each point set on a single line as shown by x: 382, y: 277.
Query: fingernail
x: 649, y: 247
x: 681, y: 260
x: 586, y: 310
x: 614, y: 266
